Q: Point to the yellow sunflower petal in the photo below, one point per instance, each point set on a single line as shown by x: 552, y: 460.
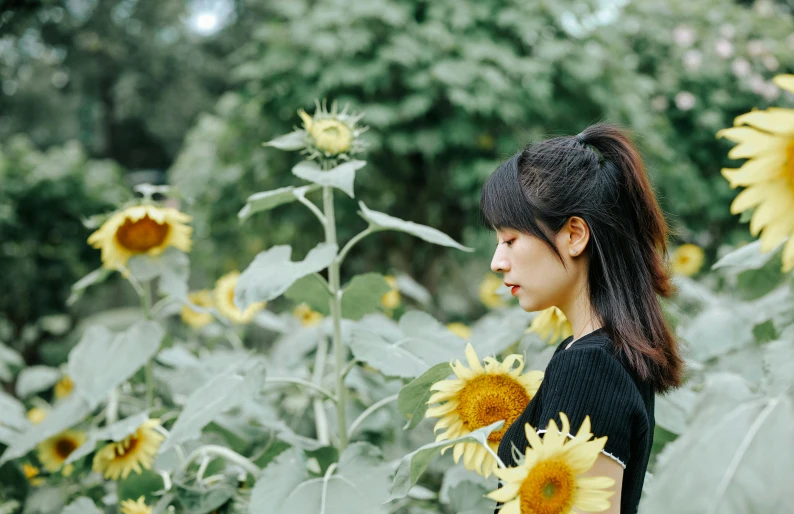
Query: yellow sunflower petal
x: 777, y: 205
x: 774, y: 233
x: 785, y: 81
x: 775, y: 120
x: 788, y: 256
x: 505, y: 493
x: 752, y: 143
x: 755, y: 171
x: 754, y: 195
x: 473, y: 359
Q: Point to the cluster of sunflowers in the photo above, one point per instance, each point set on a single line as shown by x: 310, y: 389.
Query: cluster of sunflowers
x: 115, y: 460
x: 549, y: 478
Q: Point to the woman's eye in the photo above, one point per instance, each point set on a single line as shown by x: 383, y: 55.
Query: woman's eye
x: 506, y: 243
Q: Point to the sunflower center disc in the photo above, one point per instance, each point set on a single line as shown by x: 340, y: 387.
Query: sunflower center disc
x: 64, y: 447
x: 548, y: 489
x: 142, y: 235
x: 489, y: 398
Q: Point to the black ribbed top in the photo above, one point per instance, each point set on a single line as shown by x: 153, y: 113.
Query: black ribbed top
x: 590, y: 379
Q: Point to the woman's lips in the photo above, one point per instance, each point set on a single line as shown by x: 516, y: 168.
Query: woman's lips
x: 514, y: 290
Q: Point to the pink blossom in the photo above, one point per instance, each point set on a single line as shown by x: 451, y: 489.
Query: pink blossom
x: 724, y: 48
x: 684, y: 36
x: 741, y: 67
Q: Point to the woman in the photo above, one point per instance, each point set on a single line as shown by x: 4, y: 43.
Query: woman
x: 578, y: 227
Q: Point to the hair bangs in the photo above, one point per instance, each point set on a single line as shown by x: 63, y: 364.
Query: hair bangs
x: 502, y: 201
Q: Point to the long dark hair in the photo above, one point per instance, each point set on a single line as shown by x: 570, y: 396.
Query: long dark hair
x: 599, y: 176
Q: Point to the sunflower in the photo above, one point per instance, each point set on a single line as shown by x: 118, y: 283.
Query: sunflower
x: 460, y: 330
x: 488, y: 287
x: 136, y: 451
x: 549, y: 480
x: 687, y: 259
x: 766, y: 139
x: 551, y: 325
x: 195, y: 318
x: 224, y: 300
x: 32, y: 474
x: 140, y: 229
x: 135, y: 507
x: 63, y: 387
x: 391, y: 300
x: 36, y: 415
x: 331, y: 135
x: 306, y: 316
x: 54, y: 451
x: 481, y: 395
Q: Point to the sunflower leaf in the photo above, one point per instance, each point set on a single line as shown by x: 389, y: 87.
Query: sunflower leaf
x: 384, y: 221
x: 412, y: 399
x: 36, y: 378
x: 311, y: 291
x: 267, y: 200
x: 273, y: 485
x: 415, y: 463
x: 293, y: 141
x: 735, y: 438
x: 341, y: 177
x: 746, y: 257
x: 97, y: 276
x: 359, y: 485
x: 115, y: 432
x: 10, y: 361
x: 362, y: 295
x: 103, y: 360
x: 82, y: 505
x: 66, y: 413
x: 219, y: 394
x: 272, y: 273
x: 424, y: 343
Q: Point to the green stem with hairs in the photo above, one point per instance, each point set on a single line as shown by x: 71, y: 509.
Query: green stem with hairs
x: 336, y: 313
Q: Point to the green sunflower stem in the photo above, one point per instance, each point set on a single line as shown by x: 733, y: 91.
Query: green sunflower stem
x: 148, y: 370
x: 336, y: 313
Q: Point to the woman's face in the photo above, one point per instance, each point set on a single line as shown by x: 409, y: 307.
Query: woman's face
x: 540, y: 281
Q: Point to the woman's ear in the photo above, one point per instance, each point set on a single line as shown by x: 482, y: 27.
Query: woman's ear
x: 578, y: 235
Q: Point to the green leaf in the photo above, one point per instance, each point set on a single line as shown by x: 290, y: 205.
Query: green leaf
x: 10, y: 361
x: 140, y: 484
x: 272, y: 272
x: 277, y: 481
x: 383, y: 221
x: 341, y: 177
x: 412, y: 400
x: 66, y: 413
x: 115, y: 432
x: 102, y: 360
x: 746, y: 257
x: 362, y: 295
x: 424, y: 343
x: 82, y: 505
x: 497, y: 330
x: 778, y: 363
x: 415, y: 463
x: 292, y: 141
x: 204, y: 499
x: 172, y: 266
x: 36, y: 378
x: 359, y: 485
x: 267, y: 200
x: 470, y: 499
x: 312, y: 291
x: 221, y: 393
x: 674, y: 409
x: 12, y: 412
x: 97, y: 276
x: 717, y: 465
x: 716, y: 330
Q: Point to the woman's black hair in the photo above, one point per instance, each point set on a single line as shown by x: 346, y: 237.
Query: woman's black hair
x: 599, y: 176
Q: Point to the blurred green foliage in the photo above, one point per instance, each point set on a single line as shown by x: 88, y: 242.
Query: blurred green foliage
x: 43, y: 200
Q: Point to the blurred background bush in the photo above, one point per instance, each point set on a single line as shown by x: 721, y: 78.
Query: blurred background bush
x: 98, y: 96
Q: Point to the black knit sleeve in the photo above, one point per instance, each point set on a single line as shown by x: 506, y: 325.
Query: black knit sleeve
x: 589, y: 381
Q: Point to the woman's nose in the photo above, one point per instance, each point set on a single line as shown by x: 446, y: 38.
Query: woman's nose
x: 499, y: 264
